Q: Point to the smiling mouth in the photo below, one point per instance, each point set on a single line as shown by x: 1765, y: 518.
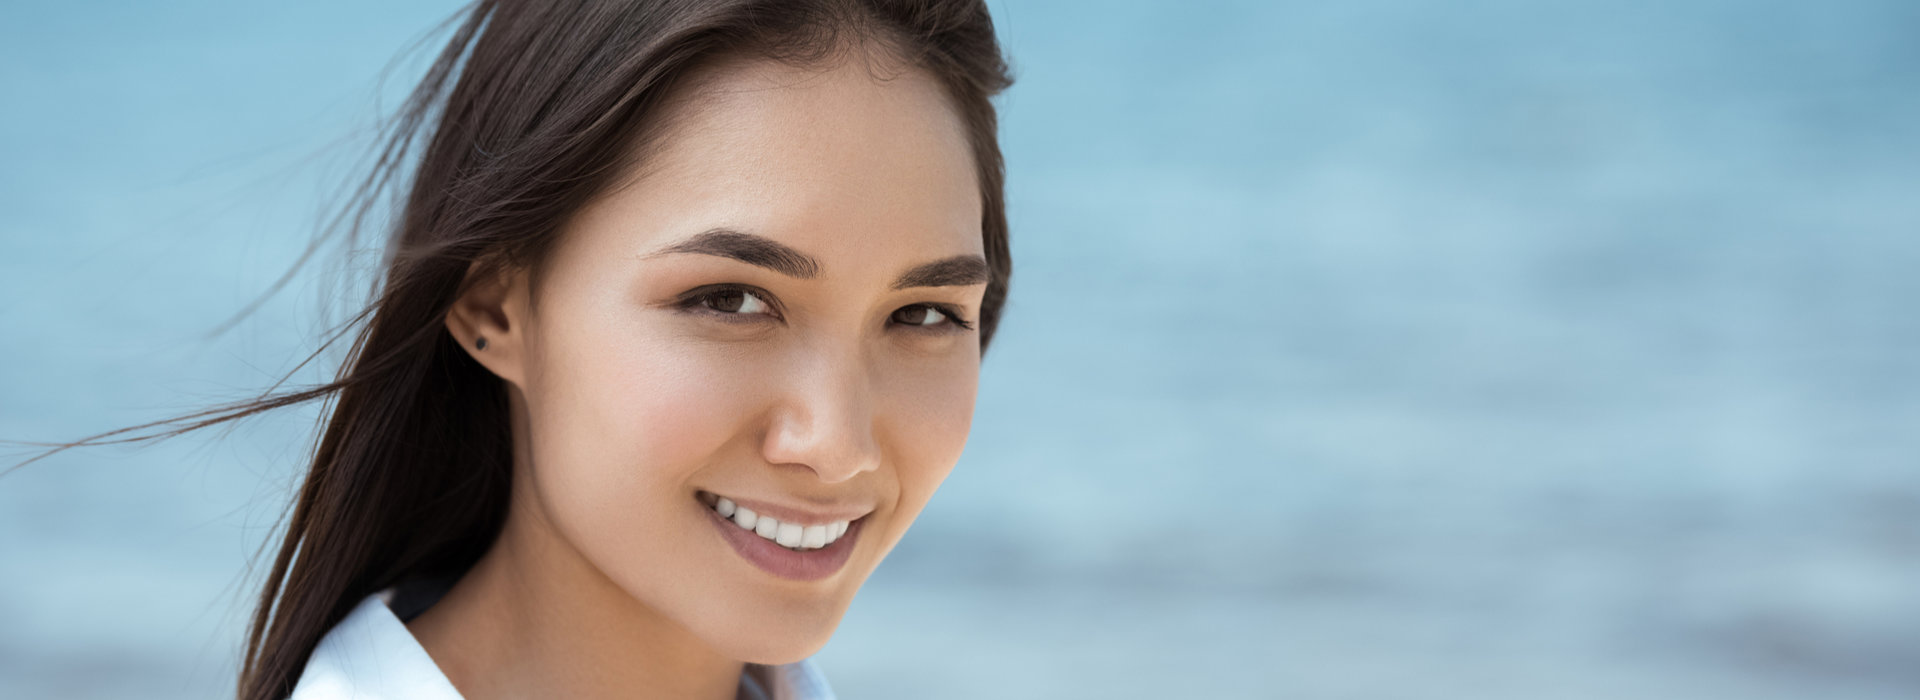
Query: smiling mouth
x: 787, y: 550
x: 790, y: 535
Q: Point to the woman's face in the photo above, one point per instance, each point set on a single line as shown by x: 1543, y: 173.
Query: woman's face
x: 771, y: 311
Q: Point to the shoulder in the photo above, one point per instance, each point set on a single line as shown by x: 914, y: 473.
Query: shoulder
x: 370, y: 655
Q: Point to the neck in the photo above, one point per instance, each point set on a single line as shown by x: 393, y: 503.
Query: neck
x: 534, y: 618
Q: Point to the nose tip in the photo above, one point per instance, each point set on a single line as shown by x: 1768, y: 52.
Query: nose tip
x: 827, y: 425
x: 836, y: 450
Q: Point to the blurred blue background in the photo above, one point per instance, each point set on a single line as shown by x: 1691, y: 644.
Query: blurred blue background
x: 1376, y: 349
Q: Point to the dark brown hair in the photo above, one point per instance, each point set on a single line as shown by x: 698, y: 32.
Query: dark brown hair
x: 530, y: 111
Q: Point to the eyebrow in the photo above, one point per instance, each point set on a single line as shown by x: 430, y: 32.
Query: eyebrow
x: 955, y: 271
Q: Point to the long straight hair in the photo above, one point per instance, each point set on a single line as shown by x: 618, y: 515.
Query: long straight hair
x: 530, y: 111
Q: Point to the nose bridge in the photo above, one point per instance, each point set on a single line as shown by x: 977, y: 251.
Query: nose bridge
x: 827, y: 423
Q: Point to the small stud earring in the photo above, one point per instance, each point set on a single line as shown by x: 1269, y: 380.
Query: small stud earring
x: 480, y: 344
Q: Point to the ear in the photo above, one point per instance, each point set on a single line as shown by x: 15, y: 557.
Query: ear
x: 493, y: 307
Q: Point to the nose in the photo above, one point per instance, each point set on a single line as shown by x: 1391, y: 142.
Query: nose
x: 825, y: 418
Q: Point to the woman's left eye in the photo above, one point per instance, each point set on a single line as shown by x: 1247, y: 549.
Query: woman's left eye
x: 930, y: 316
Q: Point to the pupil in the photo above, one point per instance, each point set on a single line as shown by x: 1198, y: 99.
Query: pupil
x: 734, y: 298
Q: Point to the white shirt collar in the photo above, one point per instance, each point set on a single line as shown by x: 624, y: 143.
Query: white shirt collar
x: 370, y: 655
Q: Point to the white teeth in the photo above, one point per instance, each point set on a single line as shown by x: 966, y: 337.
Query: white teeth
x: 787, y: 535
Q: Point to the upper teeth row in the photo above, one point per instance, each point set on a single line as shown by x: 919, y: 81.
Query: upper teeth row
x: 785, y: 534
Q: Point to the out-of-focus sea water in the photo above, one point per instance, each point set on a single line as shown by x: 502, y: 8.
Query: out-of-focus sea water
x: 1376, y: 349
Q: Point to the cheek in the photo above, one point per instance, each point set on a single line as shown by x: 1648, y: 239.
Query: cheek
x: 625, y: 414
x: 932, y: 413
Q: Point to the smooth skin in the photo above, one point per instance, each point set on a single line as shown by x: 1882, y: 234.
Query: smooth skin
x: 609, y: 581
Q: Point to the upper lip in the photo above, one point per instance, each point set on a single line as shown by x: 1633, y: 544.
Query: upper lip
x: 798, y: 515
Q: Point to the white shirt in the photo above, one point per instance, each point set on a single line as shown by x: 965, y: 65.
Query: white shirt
x: 370, y: 655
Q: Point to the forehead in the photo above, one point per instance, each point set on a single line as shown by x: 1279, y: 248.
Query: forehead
x: 853, y: 160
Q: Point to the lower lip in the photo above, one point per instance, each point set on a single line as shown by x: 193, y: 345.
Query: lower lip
x: 809, y: 565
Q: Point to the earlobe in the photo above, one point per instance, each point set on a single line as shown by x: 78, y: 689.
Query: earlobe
x: 487, y: 321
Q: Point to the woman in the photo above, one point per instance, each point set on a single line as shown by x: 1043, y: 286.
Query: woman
x: 680, y: 328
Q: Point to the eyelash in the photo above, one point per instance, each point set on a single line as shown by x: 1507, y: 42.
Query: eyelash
x: 695, y: 302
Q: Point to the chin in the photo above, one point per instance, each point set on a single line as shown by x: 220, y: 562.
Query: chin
x: 748, y: 622
x: 777, y: 643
